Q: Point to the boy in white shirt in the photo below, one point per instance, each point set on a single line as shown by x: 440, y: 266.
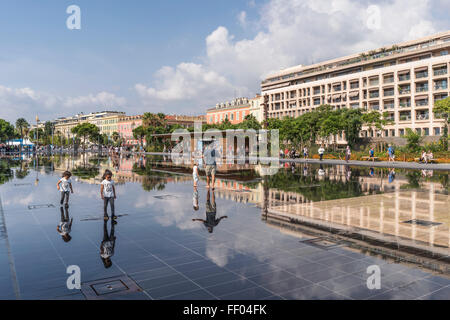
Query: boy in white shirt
x: 65, y: 186
x: 195, y: 173
x: 108, y: 194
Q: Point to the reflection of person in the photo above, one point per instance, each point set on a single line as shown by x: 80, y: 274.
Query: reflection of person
x: 210, y: 161
x: 321, y: 151
x: 391, y: 154
x: 195, y: 199
x: 211, y: 220
x: 107, y: 245
x: 65, y: 226
x: 65, y: 186
x: 391, y: 176
x: 371, y: 172
x: 348, y: 153
x: 108, y: 194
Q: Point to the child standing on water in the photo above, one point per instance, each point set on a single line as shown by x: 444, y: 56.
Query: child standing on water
x: 108, y: 194
x: 65, y: 186
x: 195, y: 173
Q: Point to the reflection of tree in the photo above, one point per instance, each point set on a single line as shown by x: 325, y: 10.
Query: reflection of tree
x: 86, y: 172
x: 22, y: 171
x: 153, y: 180
x: 6, y: 173
x: 413, y: 180
x: 314, y: 189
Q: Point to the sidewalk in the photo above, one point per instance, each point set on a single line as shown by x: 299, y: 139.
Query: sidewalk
x: 378, y: 164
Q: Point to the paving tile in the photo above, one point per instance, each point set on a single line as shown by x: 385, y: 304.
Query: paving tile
x: 441, y: 294
x: 248, y: 294
x: 191, y: 295
x: 312, y: 292
x: 230, y: 287
x: 170, y: 290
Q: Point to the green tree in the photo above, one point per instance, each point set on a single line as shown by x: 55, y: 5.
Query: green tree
x: 22, y: 125
x: 6, y: 130
x: 442, y: 109
x: 86, y: 131
x: 139, y: 134
x: 413, y: 140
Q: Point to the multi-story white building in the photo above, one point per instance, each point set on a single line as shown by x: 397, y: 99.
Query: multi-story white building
x: 404, y: 80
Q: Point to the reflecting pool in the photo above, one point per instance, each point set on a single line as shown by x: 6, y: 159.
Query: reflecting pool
x: 305, y: 232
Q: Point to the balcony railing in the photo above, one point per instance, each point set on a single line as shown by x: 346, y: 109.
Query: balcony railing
x: 389, y: 106
x: 422, y: 116
x: 374, y: 95
x: 420, y: 75
x: 404, y: 91
x: 404, y: 78
x: 422, y: 89
x: 389, y: 93
x: 405, y: 104
x: 354, y: 86
x: 440, y: 72
x: 420, y: 103
x: 389, y: 80
x: 374, y: 83
x: 405, y: 118
x: 440, y: 86
x: 375, y: 107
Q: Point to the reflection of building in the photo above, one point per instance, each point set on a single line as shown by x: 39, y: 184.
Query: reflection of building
x: 380, y: 223
x: 235, y: 111
x: 404, y: 81
x: 184, y: 121
x: 238, y: 191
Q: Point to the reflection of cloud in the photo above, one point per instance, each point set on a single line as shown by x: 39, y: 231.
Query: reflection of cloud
x: 217, y: 252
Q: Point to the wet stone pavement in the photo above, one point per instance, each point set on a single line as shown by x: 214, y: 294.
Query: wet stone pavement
x: 160, y: 252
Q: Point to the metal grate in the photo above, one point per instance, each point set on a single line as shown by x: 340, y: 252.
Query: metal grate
x: 109, y: 287
x: 324, y: 243
x: 166, y: 197
x: 40, y: 206
x: 423, y: 223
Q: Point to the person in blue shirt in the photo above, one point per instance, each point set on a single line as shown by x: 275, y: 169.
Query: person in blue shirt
x: 372, y: 154
x: 391, y: 154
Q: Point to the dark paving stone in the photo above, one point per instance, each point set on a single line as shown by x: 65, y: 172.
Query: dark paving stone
x: 191, y: 295
x: 393, y: 294
x: 313, y: 292
x: 304, y: 270
x: 397, y: 279
x: 361, y: 292
x: 248, y: 294
x: 273, y: 298
x: 161, y: 281
x: 170, y: 290
x: 438, y: 279
x: 441, y: 294
x: 217, y: 279
x: 324, y: 275
x: 203, y: 272
x: 152, y: 274
x: 419, y: 288
x: 230, y: 287
x: 271, y: 277
x: 287, y: 285
x: 341, y: 283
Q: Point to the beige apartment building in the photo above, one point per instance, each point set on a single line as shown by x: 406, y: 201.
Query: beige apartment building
x: 403, y: 80
x: 105, y: 120
x: 256, y: 107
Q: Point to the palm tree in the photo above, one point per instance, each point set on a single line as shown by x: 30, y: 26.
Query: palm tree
x: 21, y: 126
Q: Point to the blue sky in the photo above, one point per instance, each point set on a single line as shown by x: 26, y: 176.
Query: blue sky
x: 179, y: 56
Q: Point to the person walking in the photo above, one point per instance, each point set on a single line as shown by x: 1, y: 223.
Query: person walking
x: 321, y: 152
x: 65, y: 186
x: 348, y: 153
x: 372, y: 154
x: 305, y: 153
x: 210, y: 162
x: 391, y: 154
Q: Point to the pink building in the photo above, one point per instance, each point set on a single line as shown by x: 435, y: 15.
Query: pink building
x: 125, y: 128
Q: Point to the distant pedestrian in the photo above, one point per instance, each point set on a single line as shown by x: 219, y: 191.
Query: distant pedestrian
x: 321, y: 152
x: 372, y: 154
x: 305, y: 153
x: 195, y: 173
x: 348, y: 153
x: 65, y: 186
x: 391, y: 154
x: 108, y: 194
x: 423, y: 157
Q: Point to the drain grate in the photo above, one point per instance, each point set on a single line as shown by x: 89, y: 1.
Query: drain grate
x: 324, y: 243
x: 423, y: 223
x: 40, y: 206
x: 166, y: 197
x: 109, y: 287
x: 95, y: 218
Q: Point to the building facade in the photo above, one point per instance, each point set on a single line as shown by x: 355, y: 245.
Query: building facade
x: 404, y: 81
x: 235, y: 111
x: 125, y: 128
x: 184, y: 121
x: 256, y: 107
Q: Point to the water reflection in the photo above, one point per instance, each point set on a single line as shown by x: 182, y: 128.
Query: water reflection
x: 65, y: 226
x: 210, y: 222
x: 108, y: 244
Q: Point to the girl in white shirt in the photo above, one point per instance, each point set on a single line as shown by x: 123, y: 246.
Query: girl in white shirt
x: 108, y: 194
x: 65, y: 186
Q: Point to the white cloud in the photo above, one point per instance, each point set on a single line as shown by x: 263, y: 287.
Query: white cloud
x: 289, y: 32
x: 26, y: 102
x: 242, y: 18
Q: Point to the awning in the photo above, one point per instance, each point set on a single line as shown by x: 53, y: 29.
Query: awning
x: 421, y: 69
x: 336, y: 96
x: 344, y: 95
x: 421, y: 97
x: 404, y: 72
x: 353, y: 94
